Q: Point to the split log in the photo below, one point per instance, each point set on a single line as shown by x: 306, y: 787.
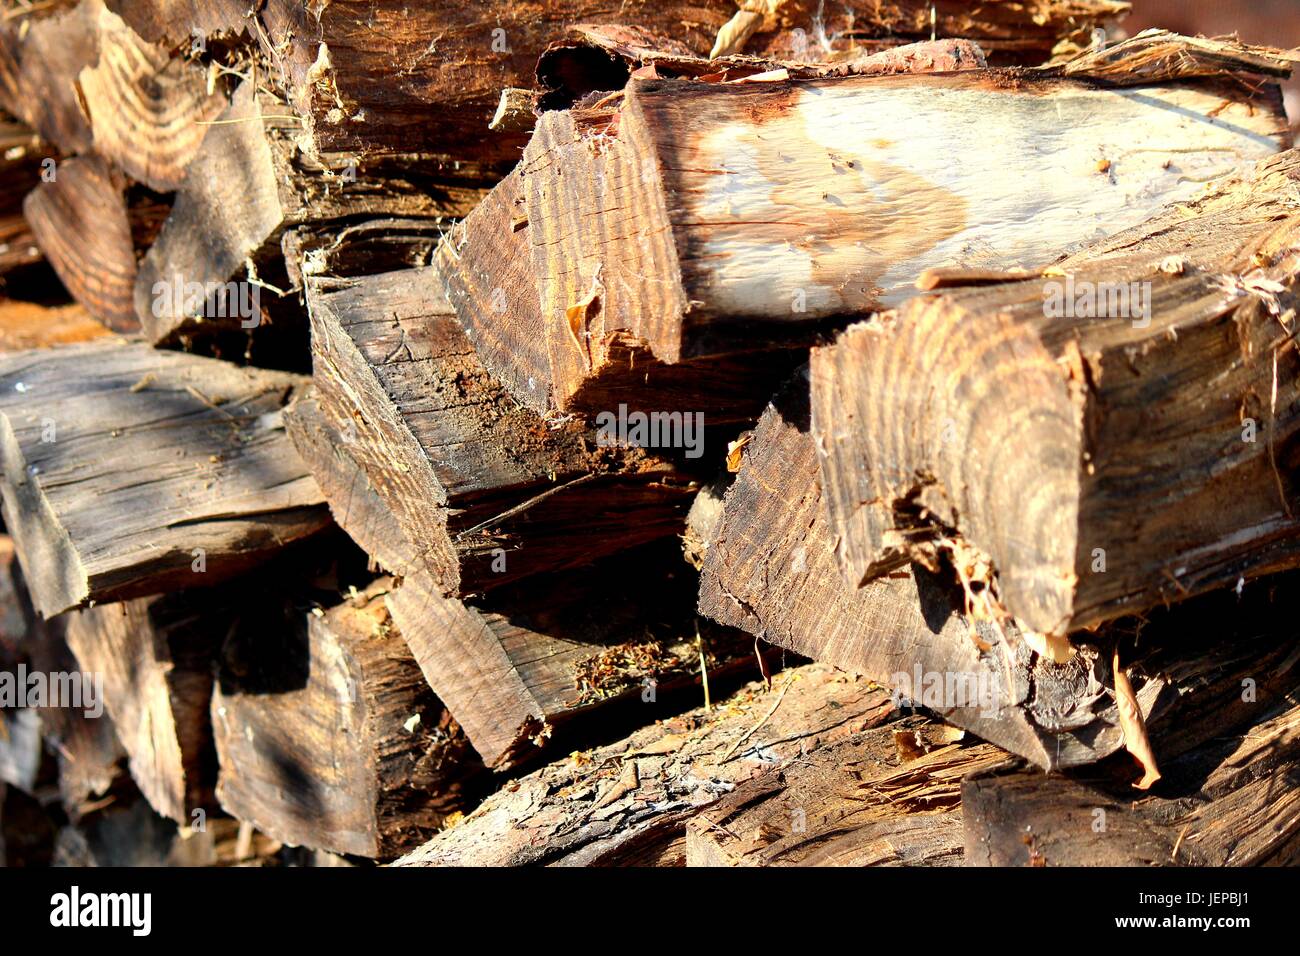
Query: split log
x: 332, y: 740
x: 336, y: 63
x: 533, y: 655
x: 529, y: 658
x: 148, y: 111
x: 79, y: 220
x: 770, y: 568
x: 246, y: 186
x: 854, y: 803
x: 484, y: 490
x: 628, y: 802
x: 79, y: 425
x: 89, y: 754
x: 1119, y: 432
x: 1232, y: 802
x: 353, y: 501
x: 155, y: 657
x: 763, y: 211
x: 489, y: 279
x: 82, y: 739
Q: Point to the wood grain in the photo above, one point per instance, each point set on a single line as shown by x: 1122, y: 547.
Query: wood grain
x: 123, y: 466
x: 628, y: 802
x: 79, y: 220
x: 332, y: 740
x: 1103, y: 464
x: 148, y: 111
x: 485, y: 490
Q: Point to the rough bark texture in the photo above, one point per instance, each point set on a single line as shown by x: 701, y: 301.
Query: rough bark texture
x: 1231, y: 802
x: 336, y: 63
x: 332, y: 739
x: 1106, y: 454
x: 629, y: 802
x: 856, y: 803
x: 222, y: 486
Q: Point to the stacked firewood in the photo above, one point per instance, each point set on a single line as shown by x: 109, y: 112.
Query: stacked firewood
x: 744, y: 433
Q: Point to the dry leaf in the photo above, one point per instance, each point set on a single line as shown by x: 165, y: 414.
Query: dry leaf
x: 1135, y: 731
x: 736, y: 451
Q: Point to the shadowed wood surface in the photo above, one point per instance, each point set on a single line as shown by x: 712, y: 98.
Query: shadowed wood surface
x: 129, y: 471
x: 1114, y: 434
x: 332, y: 740
x: 1232, y: 802
x: 174, y: 21
x: 23, y: 158
x: 532, y: 656
x: 155, y: 657
x: 41, y: 56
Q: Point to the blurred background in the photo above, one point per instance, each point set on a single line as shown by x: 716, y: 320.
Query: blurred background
x: 1269, y: 22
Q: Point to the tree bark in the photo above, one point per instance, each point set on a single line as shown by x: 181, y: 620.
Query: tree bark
x: 1232, y: 802
x: 628, y: 802
x: 333, y: 62
x: 854, y: 803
